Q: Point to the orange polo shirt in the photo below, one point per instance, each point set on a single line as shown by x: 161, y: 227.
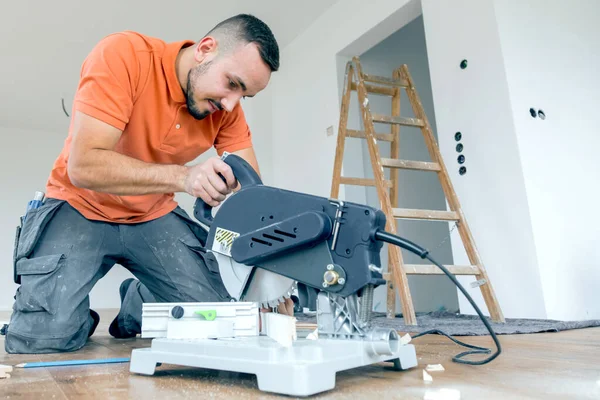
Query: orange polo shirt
x: 129, y: 81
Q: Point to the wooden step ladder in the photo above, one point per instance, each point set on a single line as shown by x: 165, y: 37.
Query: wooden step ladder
x: 396, y: 277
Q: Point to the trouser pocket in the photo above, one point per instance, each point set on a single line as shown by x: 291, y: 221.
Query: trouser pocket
x: 39, y: 277
x: 29, y: 231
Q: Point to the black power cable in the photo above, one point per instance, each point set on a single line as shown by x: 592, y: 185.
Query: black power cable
x: 423, y: 253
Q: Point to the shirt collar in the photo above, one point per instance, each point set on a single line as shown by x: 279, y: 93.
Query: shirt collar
x: 168, y: 64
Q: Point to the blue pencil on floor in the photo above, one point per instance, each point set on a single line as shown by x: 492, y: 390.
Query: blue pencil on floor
x: 71, y: 362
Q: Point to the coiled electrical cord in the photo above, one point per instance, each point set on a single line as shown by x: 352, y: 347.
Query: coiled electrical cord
x: 424, y: 253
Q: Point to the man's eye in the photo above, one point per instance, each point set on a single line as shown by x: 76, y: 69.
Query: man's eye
x: 232, y: 84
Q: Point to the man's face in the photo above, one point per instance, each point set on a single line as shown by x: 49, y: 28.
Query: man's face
x: 218, y: 83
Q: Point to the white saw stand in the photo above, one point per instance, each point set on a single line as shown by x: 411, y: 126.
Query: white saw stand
x: 304, y: 368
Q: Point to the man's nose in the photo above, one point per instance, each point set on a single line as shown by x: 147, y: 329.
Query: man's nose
x: 230, y: 101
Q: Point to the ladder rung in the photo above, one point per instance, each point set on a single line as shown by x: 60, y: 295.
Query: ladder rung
x: 405, y: 121
x: 361, y: 181
x: 430, y: 269
x: 406, y: 164
x: 386, y: 137
x: 384, y: 90
x: 385, y: 81
x: 433, y: 215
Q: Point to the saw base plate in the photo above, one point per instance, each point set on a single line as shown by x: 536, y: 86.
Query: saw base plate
x: 306, y: 368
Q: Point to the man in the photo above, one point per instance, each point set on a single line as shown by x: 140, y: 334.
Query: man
x: 143, y: 110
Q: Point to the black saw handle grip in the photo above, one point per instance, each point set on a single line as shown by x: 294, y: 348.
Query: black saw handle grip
x: 245, y: 175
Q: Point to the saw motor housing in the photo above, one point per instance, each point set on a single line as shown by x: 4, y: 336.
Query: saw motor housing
x: 325, y: 244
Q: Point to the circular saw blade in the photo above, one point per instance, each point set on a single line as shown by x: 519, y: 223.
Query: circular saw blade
x: 268, y: 288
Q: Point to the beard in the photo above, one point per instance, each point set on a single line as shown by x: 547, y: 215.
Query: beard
x: 192, y: 106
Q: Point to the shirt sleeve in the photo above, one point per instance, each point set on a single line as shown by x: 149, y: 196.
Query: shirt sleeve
x: 108, y: 80
x: 234, y: 133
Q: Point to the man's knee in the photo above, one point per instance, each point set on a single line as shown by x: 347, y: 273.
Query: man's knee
x: 45, y: 319
x: 41, y: 332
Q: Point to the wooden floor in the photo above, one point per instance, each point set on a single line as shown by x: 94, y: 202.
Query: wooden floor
x: 562, y: 365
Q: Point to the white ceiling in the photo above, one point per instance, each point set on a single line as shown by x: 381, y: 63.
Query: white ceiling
x: 44, y: 42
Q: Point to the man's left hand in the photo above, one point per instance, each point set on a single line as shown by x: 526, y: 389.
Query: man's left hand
x: 285, y: 308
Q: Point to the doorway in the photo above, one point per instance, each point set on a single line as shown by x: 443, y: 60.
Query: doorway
x: 417, y: 189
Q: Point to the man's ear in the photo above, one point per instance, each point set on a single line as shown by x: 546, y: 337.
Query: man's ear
x: 206, y: 49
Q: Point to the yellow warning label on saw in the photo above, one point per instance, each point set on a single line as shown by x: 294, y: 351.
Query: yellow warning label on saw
x: 223, y: 241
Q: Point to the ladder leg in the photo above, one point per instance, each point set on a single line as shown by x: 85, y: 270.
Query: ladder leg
x: 394, y: 178
x: 463, y: 229
x: 391, y: 295
x: 343, y: 123
x: 398, y: 274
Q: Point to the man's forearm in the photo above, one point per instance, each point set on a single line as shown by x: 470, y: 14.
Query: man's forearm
x: 108, y: 171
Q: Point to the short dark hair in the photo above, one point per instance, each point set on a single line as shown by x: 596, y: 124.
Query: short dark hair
x: 248, y: 29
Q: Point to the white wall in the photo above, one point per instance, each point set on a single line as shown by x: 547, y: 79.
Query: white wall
x: 530, y: 184
x: 306, y: 92
x: 258, y: 115
x: 307, y: 101
x: 417, y: 189
x: 462, y: 102
x: 551, y: 53
x: 26, y: 169
x: 475, y: 101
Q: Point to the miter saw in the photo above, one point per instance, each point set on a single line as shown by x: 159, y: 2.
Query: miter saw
x: 266, y: 240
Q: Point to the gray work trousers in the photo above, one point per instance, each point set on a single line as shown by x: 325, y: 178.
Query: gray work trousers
x: 61, y: 255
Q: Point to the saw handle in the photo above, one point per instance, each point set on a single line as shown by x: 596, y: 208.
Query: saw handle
x: 245, y: 175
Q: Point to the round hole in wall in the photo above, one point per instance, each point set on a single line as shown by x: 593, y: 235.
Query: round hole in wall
x: 459, y: 147
x: 463, y: 64
x: 541, y: 114
x: 457, y: 136
x: 462, y: 170
x: 461, y: 159
x: 532, y: 112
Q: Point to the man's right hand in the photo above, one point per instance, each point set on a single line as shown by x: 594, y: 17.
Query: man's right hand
x: 203, y: 181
